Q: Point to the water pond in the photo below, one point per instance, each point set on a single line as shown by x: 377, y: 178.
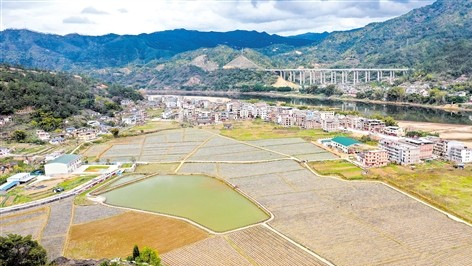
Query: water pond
x: 204, y: 200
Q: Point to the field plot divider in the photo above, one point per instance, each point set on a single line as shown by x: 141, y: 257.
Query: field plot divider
x: 241, y: 162
x: 327, y: 262
x: 254, y: 146
x: 193, y: 152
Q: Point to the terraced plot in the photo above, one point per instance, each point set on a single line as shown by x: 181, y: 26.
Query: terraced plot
x: 352, y: 223
x: 54, y: 234
x: 296, y: 147
x: 115, y: 236
x: 29, y: 222
x: 253, y: 246
x: 214, y: 251
x: 164, y: 146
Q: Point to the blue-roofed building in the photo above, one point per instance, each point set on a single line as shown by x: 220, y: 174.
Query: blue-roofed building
x: 344, y: 143
x: 63, y: 164
x: 8, y: 185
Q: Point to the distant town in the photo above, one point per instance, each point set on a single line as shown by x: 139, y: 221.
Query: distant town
x: 393, y: 145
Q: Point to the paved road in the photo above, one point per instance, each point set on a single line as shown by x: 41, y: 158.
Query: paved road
x: 64, y: 195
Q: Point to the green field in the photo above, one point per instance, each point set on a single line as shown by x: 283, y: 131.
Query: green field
x: 150, y: 126
x: 341, y: 168
x: 256, y: 130
x: 76, y: 181
x: 96, y: 168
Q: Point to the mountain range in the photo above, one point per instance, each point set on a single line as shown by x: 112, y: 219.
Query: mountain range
x: 436, y: 38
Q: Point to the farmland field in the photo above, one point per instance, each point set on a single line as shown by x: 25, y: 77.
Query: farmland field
x: 25, y: 223
x: 350, y: 223
x: 112, y: 237
x: 248, y: 130
x: 252, y: 246
x: 436, y: 182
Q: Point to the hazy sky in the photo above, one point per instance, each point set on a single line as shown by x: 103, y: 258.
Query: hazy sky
x: 285, y: 17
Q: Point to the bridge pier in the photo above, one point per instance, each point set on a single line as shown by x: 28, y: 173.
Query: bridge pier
x: 319, y: 76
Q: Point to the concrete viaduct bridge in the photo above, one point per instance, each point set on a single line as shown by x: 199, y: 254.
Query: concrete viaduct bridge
x: 339, y: 76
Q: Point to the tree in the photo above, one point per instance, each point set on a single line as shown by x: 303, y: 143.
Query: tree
x: 135, y: 252
x: 19, y: 135
x: 115, y: 131
x: 389, y: 121
x: 396, y: 94
x: 149, y: 256
x: 17, y: 250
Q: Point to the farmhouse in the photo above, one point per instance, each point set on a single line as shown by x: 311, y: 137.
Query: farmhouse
x: 64, y: 164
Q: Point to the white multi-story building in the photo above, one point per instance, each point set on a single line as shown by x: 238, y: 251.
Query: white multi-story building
x: 400, y: 153
x: 460, y: 154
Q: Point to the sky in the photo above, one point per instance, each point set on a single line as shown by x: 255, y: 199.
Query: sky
x: 283, y: 17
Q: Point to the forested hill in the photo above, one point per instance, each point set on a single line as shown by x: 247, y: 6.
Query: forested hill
x: 71, y: 51
x: 57, y: 95
x: 436, y: 38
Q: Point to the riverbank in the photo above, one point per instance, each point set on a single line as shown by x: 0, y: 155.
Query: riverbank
x: 446, y: 131
x: 237, y: 94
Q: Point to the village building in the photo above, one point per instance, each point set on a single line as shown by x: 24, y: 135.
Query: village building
x: 43, y: 135
x: 400, y: 153
x: 460, y: 154
x: 15, y: 180
x: 373, y: 158
x: 344, y: 144
x: 63, y: 164
x: 393, y: 131
x: 426, y: 146
x: 86, y: 134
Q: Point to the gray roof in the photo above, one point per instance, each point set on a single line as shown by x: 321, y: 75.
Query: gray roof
x: 65, y: 159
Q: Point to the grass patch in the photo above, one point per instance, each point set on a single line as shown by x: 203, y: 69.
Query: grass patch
x: 341, y: 168
x: 112, y: 238
x: 155, y: 113
x: 75, y: 182
x: 150, y: 126
x: 156, y: 168
x: 96, y: 168
x: 436, y: 182
x: 257, y: 130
